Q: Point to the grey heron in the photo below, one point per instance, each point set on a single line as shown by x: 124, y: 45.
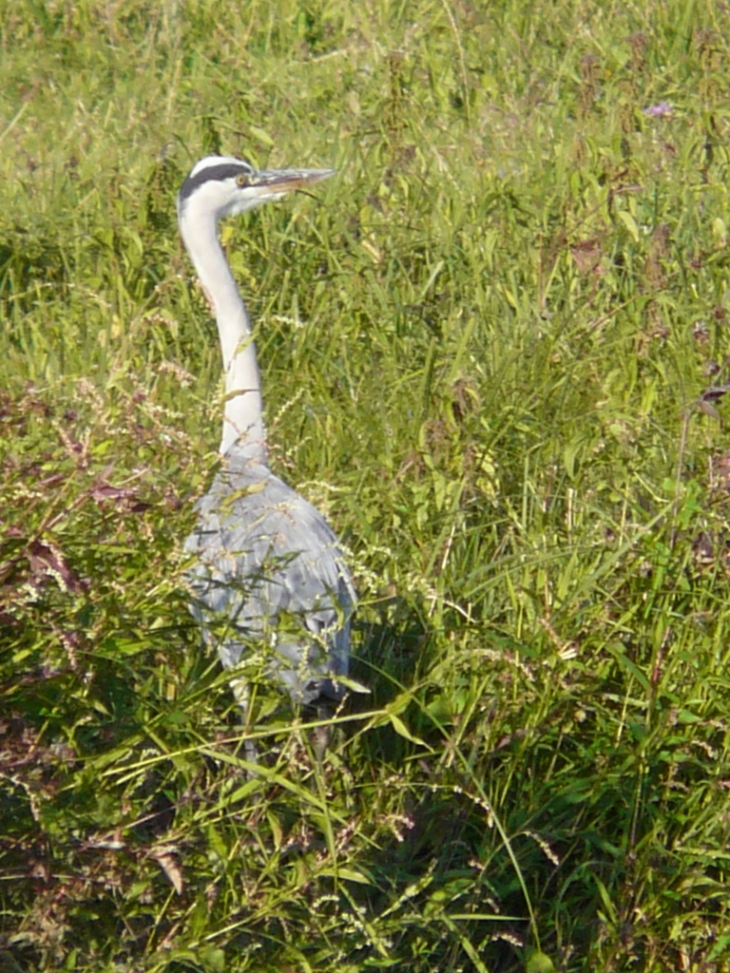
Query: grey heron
x: 268, y: 578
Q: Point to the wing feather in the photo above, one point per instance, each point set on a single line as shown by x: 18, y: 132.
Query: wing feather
x: 267, y: 560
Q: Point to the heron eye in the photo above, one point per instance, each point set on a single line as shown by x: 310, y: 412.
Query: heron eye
x: 242, y: 181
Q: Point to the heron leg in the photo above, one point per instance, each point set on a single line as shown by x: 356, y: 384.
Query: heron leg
x: 242, y: 696
x: 322, y: 735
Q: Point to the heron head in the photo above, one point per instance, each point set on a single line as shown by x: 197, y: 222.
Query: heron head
x: 225, y: 186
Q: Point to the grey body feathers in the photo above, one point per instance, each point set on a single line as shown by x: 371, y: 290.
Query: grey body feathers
x: 268, y: 565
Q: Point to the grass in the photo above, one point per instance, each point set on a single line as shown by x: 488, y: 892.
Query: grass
x: 494, y: 350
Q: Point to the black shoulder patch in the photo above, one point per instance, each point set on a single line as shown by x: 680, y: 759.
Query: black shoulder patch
x: 224, y: 171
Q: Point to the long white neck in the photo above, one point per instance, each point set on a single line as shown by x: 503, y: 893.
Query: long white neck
x: 243, y: 418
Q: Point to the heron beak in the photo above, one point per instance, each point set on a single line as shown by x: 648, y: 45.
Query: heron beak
x: 277, y: 182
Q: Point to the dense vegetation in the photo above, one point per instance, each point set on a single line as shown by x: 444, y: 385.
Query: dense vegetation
x: 495, y: 350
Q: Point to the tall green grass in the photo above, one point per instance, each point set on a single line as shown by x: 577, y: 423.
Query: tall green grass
x: 494, y: 351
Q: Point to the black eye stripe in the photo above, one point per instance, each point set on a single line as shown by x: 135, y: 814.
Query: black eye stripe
x: 225, y: 170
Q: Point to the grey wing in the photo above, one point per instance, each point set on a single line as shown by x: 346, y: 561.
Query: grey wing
x: 268, y: 564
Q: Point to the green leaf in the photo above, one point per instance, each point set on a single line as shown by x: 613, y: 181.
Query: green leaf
x: 539, y: 962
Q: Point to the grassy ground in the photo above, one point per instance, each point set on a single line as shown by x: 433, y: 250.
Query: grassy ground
x: 494, y: 350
